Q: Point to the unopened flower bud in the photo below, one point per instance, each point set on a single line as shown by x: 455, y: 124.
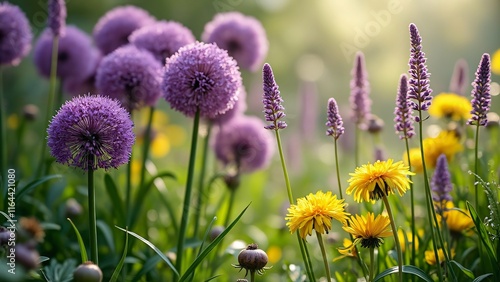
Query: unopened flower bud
x: 72, y: 208
x: 252, y: 259
x: 30, y: 112
x: 87, y: 272
x: 215, y: 232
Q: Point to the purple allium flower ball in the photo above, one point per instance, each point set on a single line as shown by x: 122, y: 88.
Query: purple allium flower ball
x: 271, y: 98
x: 239, y: 108
x: 131, y: 75
x: 76, y: 57
x: 87, y: 85
x: 201, y: 76
x: 245, y: 143
x: 15, y: 35
x: 242, y: 36
x: 113, y: 29
x: 91, y: 132
x: 56, y: 20
x: 162, y: 39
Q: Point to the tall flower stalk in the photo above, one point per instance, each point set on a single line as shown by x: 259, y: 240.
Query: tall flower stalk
x: 335, y: 129
x: 273, y: 111
x: 481, y: 102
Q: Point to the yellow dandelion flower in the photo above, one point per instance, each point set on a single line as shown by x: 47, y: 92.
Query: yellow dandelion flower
x: 371, y: 182
x: 457, y: 220
x: 347, y: 250
x: 415, y: 160
x: 405, y: 238
x: 495, y: 62
x: 451, y: 106
x: 315, y: 211
x: 369, y: 230
x: 430, y: 257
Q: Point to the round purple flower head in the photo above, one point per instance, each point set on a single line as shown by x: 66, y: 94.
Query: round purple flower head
x: 113, y: 29
x: 76, y: 57
x: 238, y: 109
x: 242, y: 36
x: 202, y: 77
x: 162, y: 39
x: 57, y: 16
x: 245, y: 143
x: 91, y: 132
x: 130, y: 75
x: 15, y: 35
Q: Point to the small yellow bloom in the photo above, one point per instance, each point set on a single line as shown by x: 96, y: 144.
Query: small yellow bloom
x: 416, y: 160
x: 495, y: 62
x: 405, y: 238
x: 371, y: 182
x: 457, y: 220
x: 430, y: 258
x: 450, y: 105
x: 369, y: 230
x: 315, y: 211
x: 348, y: 250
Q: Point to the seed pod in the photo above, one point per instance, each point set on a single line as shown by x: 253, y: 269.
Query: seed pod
x: 252, y: 259
x: 87, y: 272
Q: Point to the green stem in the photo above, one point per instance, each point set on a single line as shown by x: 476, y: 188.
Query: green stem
x: 412, y: 204
x: 476, y: 167
x: 129, y: 185
x: 325, y: 259
x: 396, y: 238
x: 337, y: 169
x: 145, y: 146
x: 50, y: 99
x: 372, y: 264
x: 232, y: 194
x: 187, y: 196
x: 303, y: 247
x: 199, y: 200
x: 357, y: 134
x: 252, y: 275
x: 92, y: 218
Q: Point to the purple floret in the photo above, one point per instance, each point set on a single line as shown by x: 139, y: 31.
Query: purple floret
x: 481, y: 97
x: 202, y: 77
x: 273, y: 110
x: 360, y: 90
x: 334, y: 120
x: 91, y: 132
x: 56, y: 19
x: 15, y: 35
x: 242, y: 36
x: 113, y: 29
x: 244, y: 143
x: 238, y: 109
x: 162, y: 39
x: 131, y: 75
x: 403, y: 113
x: 76, y: 57
x: 420, y: 90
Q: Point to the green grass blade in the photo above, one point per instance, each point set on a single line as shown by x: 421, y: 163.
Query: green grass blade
x: 464, y: 270
x: 408, y: 269
x: 482, y: 277
x: 33, y: 184
x: 83, y: 251
x: 482, y: 232
x: 114, y: 196
x: 119, y: 267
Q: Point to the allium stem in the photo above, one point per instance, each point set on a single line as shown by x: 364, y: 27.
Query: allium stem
x: 396, y: 238
x: 187, y: 195
x: 325, y: 259
x: 201, y: 184
x: 128, y: 190
x: 50, y: 99
x: 92, y: 217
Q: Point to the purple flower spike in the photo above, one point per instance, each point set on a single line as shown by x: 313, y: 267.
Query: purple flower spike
x: 244, y: 142
x: 360, y: 89
x: 131, y: 75
x: 459, y: 79
x: 272, y: 100
x: 441, y: 181
x: 420, y: 90
x: 403, y: 112
x: 162, y: 39
x: 481, y: 98
x: 242, y: 36
x: 335, y: 124
x: 76, y: 57
x: 15, y: 35
x: 56, y: 20
x: 202, y: 77
x: 91, y: 132
x: 113, y: 29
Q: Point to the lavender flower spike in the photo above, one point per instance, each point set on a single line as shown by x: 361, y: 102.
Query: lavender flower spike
x: 57, y: 17
x: 403, y: 112
x: 419, y: 81
x: 272, y: 100
x: 481, y: 97
x: 360, y: 89
x: 334, y: 122
x: 441, y: 181
x: 459, y: 79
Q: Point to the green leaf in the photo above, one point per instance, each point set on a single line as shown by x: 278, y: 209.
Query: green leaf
x: 115, y: 198
x: 119, y: 267
x: 482, y: 232
x: 146, y: 267
x: 482, y: 277
x: 83, y: 251
x: 209, y: 248
x: 464, y: 270
x: 30, y: 186
x: 152, y: 246
x: 408, y: 269
x: 108, y: 236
